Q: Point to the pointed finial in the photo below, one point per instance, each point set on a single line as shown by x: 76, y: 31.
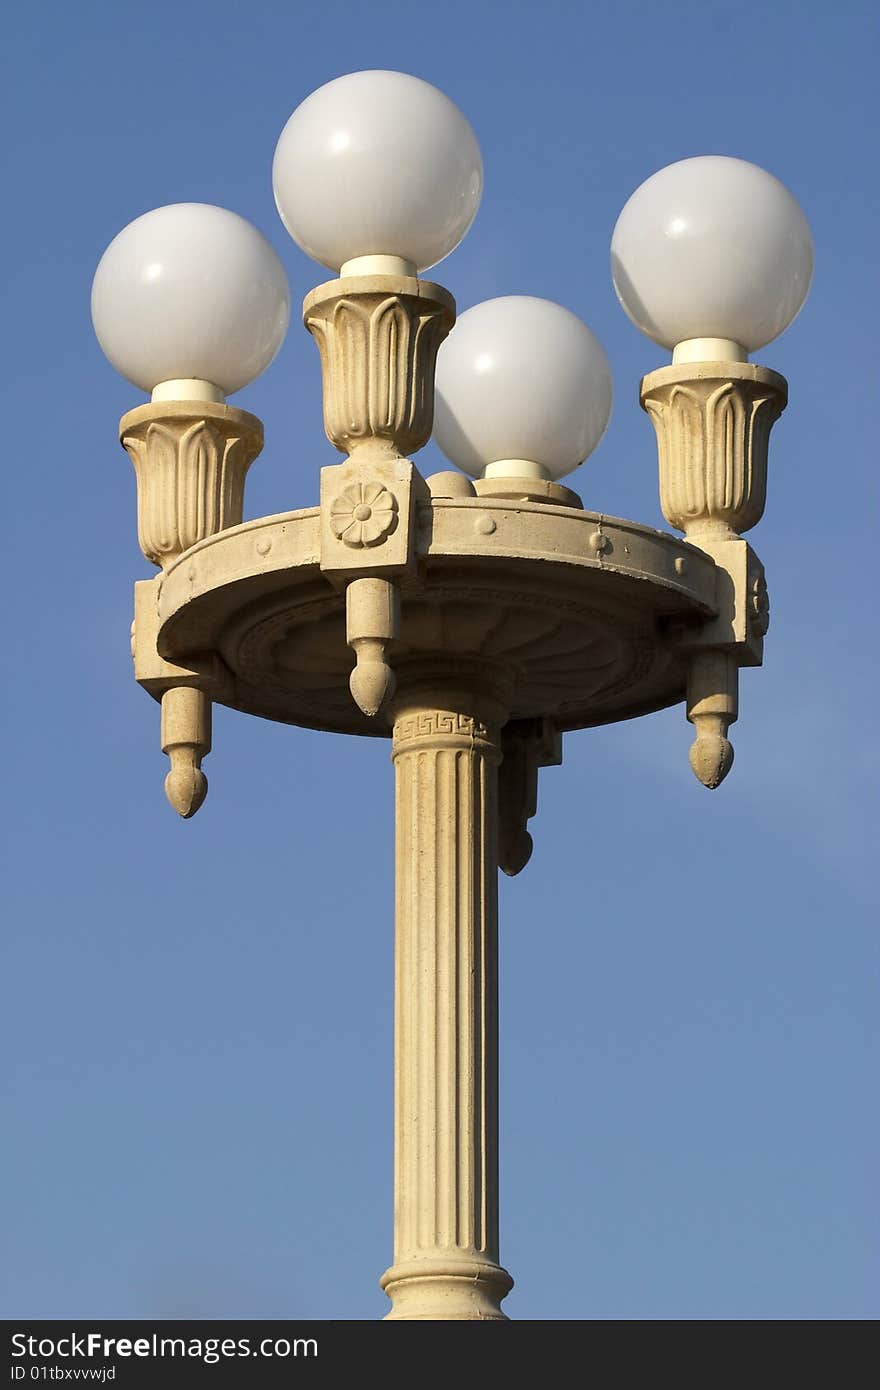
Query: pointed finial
x: 372, y: 619
x: 372, y: 681
x: 186, y: 738
x: 711, y: 753
x: 712, y: 706
x: 186, y: 786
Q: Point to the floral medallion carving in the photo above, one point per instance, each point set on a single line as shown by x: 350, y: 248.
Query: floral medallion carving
x: 760, y: 606
x: 363, y: 514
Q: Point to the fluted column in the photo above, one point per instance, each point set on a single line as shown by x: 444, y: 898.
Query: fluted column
x: 446, y: 752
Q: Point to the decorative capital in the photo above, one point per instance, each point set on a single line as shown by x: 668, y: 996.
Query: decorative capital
x: 713, y: 422
x: 191, y: 459
x: 378, y: 337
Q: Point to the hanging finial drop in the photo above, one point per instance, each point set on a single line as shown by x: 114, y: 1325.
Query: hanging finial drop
x: 186, y: 738
x: 712, y: 706
x: 372, y: 621
x: 711, y: 753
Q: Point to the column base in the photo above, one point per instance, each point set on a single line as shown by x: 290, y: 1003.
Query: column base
x: 446, y: 1291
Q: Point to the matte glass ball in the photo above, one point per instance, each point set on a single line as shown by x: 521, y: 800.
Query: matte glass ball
x: 190, y: 290
x: 521, y: 378
x: 712, y: 248
x: 377, y: 164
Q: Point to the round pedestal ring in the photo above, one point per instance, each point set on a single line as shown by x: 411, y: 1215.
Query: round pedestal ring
x: 573, y: 605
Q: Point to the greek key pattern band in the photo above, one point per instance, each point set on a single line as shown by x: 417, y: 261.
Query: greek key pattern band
x: 432, y: 722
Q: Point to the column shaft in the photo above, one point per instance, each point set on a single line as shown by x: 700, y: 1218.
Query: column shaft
x: 446, y: 1024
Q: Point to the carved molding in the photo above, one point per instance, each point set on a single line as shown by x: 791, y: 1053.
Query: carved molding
x: 378, y: 343
x: 191, y: 463
x: 559, y: 653
x: 434, y: 723
x: 713, y: 426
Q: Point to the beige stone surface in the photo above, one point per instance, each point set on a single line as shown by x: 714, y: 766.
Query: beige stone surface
x: 742, y: 602
x: 446, y: 751
x: 713, y: 422
x: 186, y: 738
x: 151, y: 671
x: 527, y: 490
x: 573, y: 606
x: 372, y: 621
x: 378, y: 337
x: 527, y: 745
x: 473, y: 623
x: 367, y: 520
x: 712, y: 706
x: 190, y: 458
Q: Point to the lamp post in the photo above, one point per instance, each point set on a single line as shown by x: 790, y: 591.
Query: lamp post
x: 474, y: 616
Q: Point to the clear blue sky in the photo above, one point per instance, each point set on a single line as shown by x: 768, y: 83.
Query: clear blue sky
x: 197, y: 1036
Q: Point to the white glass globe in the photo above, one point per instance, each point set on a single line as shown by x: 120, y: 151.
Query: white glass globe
x: 521, y: 379
x: 377, y: 164
x: 190, y: 291
x: 712, y: 248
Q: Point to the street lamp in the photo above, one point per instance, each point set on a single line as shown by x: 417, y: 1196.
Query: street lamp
x: 475, y: 615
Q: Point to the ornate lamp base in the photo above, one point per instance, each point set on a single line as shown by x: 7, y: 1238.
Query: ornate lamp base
x: 572, y: 608
x: 518, y: 619
x: 471, y: 623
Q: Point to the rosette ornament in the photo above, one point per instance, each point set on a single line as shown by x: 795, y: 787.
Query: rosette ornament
x: 363, y: 514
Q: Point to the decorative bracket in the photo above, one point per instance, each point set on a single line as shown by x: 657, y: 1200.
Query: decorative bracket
x: 191, y: 458
x: 151, y: 671
x: 743, y: 606
x: 368, y: 518
x: 716, y: 651
x: 185, y: 694
x: 713, y: 422
x: 378, y: 337
x: 367, y: 541
x: 527, y: 745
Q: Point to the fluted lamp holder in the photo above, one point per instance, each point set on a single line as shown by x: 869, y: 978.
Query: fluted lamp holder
x: 472, y: 623
x: 713, y: 422
x: 190, y: 459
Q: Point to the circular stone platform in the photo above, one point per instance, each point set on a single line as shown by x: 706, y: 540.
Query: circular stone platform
x: 574, y: 605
